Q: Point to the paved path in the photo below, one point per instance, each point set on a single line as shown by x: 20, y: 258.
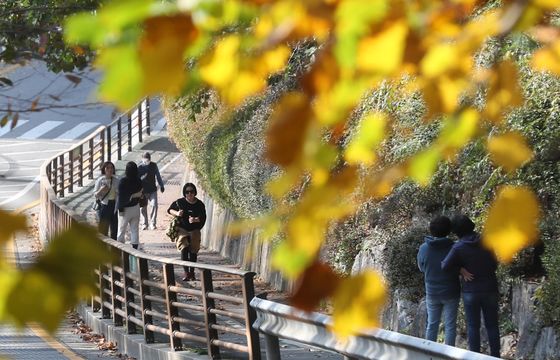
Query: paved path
x: 172, y: 167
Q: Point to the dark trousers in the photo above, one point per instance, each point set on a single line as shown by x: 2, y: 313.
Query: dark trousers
x: 186, y: 255
x: 487, y: 303
x: 108, y: 220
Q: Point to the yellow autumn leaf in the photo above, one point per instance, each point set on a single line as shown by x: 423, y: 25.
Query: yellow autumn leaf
x: 440, y: 59
x: 10, y: 223
x: 423, y: 165
x: 509, y: 150
x: 548, y: 58
x: 383, y: 53
x: 383, y: 183
x: 449, y: 91
x: 547, y: 4
x: 223, y: 64
x: 504, y: 91
x: 286, y: 132
x: 162, y: 47
x: 512, y: 222
x: 358, y: 302
x: 458, y: 130
x: 370, y: 133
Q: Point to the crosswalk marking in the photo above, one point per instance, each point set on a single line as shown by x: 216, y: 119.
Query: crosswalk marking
x: 40, y: 129
x: 7, y: 128
x: 78, y: 130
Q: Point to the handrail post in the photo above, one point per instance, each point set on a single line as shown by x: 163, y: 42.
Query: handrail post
x: 148, y: 125
x: 140, y: 122
x: 61, y: 160
x: 116, y: 291
x: 71, y: 171
x: 81, y: 167
x: 209, y: 318
x: 172, y: 311
x: 90, y: 158
x: 145, y: 304
x: 105, y: 314
x: 250, y: 317
x: 128, y: 296
x: 54, y: 173
x: 102, y: 145
x: 119, y: 138
x: 130, y: 131
x: 109, y: 141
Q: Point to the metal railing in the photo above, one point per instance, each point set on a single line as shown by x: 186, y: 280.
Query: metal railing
x: 139, y: 291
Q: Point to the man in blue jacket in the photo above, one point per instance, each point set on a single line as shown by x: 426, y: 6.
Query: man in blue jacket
x: 480, y: 293
x: 442, y: 287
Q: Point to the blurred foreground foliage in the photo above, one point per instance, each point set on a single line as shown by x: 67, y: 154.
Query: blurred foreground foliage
x: 316, y: 137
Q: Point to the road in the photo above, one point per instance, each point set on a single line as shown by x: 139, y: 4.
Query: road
x: 74, y: 113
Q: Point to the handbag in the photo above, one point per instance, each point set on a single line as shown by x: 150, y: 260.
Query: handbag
x: 142, y: 201
x: 97, y: 203
x: 171, y: 231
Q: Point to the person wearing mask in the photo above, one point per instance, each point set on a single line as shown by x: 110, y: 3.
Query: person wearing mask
x: 192, y: 217
x: 480, y: 289
x: 442, y: 287
x: 129, y: 191
x: 105, y: 192
x: 149, y: 173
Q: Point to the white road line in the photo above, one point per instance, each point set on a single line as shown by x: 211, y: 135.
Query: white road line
x: 19, y: 143
x: 11, y: 185
x: 40, y: 129
x: 31, y: 152
x: 78, y: 130
x: 19, y: 177
x: 8, y: 192
x: 22, y: 192
x: 6, y: 129
x: 30, y: 160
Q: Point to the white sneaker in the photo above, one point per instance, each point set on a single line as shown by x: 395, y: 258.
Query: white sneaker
x: 143, y: 227
x: 153, y: 227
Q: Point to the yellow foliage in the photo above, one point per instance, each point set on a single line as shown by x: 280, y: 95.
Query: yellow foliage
x: 504, y: 91
x: 458, y: 131
x: 10, y: 223
x: 162, y: 47
x: 509, y: 150
x: 358, y: 302
x: 548, y: 58
x: 512, y: 222
x: 423, y: 165
x: 371, y: 132
x: 383, y: 53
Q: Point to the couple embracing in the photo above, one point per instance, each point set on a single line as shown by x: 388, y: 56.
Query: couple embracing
x: 451, y: 268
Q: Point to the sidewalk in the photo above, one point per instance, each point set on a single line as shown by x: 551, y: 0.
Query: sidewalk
x: 172, y: 168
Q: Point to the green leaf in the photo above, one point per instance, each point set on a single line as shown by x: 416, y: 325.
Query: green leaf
x: 423, y: 166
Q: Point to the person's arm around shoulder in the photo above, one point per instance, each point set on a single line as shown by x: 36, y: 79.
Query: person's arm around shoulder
x: 452, y: 259
x: 421, y: 258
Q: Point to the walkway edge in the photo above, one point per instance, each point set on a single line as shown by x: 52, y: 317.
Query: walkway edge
x: 133, y: 345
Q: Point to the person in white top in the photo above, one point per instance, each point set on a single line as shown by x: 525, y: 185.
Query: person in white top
x: 106, y: 192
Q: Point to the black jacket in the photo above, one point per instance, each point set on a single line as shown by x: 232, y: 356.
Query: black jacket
x: 127, y: 187
x: 195, y: 210
x: 469, y: 253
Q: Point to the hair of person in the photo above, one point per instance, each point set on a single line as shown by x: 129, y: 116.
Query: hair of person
x: 104, y: 166
x: 131, y: 170
x: 188, y: 185
x: 440, y: 226
x: 147, y: 156
x: 462, y: 225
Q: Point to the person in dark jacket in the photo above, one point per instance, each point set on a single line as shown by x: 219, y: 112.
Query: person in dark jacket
x: 480, y: 293
x: 130, y: 190
x: 192, y: 217
x: 149, y: 173
x: 442, y: 287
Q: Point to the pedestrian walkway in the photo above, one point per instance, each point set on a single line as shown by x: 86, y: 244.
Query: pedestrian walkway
x: 172, y: 168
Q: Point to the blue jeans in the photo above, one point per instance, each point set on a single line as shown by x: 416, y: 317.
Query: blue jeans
x: 487, y: 302
x: 437, y: 305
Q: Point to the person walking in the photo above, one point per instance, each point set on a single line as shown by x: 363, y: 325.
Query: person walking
x: 149, y: 173
x: 192, y: 217
x: 105, y: 191
x: 442, y: 287
x: 129, y: 191
x: 480, y: 290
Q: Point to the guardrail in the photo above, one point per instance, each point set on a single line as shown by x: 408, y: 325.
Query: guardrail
x: 139, y: 292
x: 281, y: 321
